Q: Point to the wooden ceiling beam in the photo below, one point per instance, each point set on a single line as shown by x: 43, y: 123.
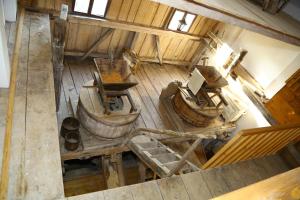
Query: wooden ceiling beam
x: 130, y: 27
x: 267, y: 29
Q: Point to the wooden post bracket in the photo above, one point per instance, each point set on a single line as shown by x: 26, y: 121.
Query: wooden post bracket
x: 102, y: 37
x: 158, y: 49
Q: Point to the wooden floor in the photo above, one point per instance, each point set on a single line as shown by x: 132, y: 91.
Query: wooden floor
x: 34, y: 167
x: 152, y: 78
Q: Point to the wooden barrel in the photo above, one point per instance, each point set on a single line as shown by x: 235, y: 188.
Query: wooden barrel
x: 91, y: 115
x: 191, y: 113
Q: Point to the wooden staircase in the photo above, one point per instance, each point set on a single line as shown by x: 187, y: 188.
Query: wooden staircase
x: 163, y: 161
x: 158, y: 157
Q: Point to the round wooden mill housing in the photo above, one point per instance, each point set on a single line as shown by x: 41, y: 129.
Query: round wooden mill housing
x: 117, y: 123
x: 190, y: 112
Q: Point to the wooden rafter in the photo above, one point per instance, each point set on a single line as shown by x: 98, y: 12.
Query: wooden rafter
x: 132, y: 45
x: 129, y: 27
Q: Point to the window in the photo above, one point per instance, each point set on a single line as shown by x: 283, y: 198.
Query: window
x: 90, y: 7
x: 181, y: 21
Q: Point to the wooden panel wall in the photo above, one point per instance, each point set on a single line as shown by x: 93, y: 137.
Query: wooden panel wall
x: 48, y: 5
x: 254, y: 143
x: 143, y: 12
x: 285, y: 105
x: 139, y: 12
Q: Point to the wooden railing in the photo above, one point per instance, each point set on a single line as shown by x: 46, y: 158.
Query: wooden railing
x: 254, y: 143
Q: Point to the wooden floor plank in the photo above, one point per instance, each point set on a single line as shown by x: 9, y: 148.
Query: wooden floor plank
x: 215, y: 182
x: 250, y: 172
x: 146, y: 191
x: 173, y: 188
x: 42, y: 171
x: 275, y: 164
x: 89, y: 196
x: 121, y: 193
x: 76, y: 75
x: 63, y: 108
x: 232, y: 178
x: 146, y: 116
x: 69, y: 86
x: 152, y: 99
x: 196, y: 186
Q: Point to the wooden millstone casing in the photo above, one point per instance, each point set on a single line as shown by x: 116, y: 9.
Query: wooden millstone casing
x: 90, y: 113
x: 191, y: 113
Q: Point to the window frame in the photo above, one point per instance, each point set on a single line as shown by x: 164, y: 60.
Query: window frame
x: 185, y: 14
x: 89, y: 13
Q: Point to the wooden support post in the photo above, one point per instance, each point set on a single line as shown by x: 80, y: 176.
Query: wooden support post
x: 158, y: 49
x: 10, y: 110
x: 113, y: 170
x: 102, y: 37
x: 197, y: 56
x: 110, y: 173
x: 136, y: 35
x: 117, y: 159
x: 142, y: 171
x: 58, y: 46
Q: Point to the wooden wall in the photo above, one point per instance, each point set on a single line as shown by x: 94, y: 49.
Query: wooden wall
x: 139, y: 12
x: 49, y: 5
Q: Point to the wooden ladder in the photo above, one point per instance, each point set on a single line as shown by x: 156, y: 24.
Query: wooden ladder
x: 158, y: 157
x: 161, y: 159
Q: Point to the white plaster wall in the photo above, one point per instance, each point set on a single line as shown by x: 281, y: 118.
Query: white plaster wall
x: 279, y: 81
x: 267, y: 58
x: 269, y: 61
x: 10, y: 10
x: 4, y: 58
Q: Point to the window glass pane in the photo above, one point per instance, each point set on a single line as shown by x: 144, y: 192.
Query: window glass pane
x: 99, y: 7
x: 82, y: 6
x: 189, y: 18
x: 174, y: 23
